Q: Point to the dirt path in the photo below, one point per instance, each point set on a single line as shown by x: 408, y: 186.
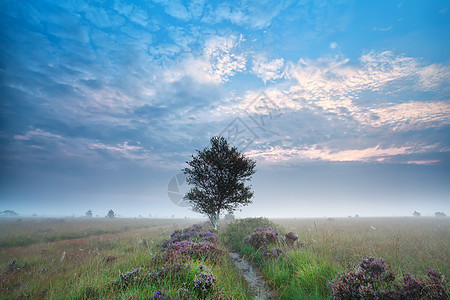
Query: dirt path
x: 254, y: 280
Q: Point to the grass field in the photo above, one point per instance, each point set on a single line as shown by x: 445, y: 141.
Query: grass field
x: 83, y: 258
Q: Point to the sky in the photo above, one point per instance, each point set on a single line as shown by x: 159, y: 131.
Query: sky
x: 345, y: 105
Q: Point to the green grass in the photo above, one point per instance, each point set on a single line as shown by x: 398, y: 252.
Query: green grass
x: 299, y: 274
x: 331, y: 246
x: 408, y: 244
x: 93, y: 263
x: 98, y: 250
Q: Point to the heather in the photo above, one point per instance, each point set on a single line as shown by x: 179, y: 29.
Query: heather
x: 372, y: 279
x: 389, y: 258
x: 304, y: 263
x: 173, y: 260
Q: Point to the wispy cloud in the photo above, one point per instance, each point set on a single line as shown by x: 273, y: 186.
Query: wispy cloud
x: 388, y: 28
x: 276, y: 155
x: 335, y: 86
x: 408, y: 116
x: 37, y: 133
x: 245, y: 13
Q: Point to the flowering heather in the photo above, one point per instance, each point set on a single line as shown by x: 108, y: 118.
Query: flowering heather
x: 372, y: 280
x: 193, y: 234
x: 188, y: 249
x: 204, y: 282
x: 159, y: 295
x: 262, y: 236
x: 372, y: 267
x: 412, y: 288
x: 436, y: 285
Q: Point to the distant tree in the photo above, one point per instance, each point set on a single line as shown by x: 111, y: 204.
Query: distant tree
x: 89, y: 214
x: 8, y: 213
x: 416, y: 214
x: 111, y: 214
x: 440, y: 214
x: 228, y: 217
x: 218, y: 174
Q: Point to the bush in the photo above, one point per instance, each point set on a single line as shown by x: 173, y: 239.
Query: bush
x: 204, y: 282
x: 193, y: 234
x: 372, y: 280
x: 262, y: 236
x: 185, y: 250
x: 238, y: 230
x: 159, y: 295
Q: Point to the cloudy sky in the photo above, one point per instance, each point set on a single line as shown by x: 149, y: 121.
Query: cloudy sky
x: 345, y: 105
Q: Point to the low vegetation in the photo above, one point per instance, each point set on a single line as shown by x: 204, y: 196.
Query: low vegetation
x: 358, y: 258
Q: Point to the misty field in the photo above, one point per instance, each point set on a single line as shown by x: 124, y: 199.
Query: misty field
x: 84, y: 258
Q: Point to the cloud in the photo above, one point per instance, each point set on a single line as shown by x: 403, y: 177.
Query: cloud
x: 408, y: 116
x: 255, y: 14
x: 383, y: 28
x: 333, y: 45
x: 218, y: 61
x: 277, y: 154
x: 423, y: 162
x: 268, y: 70
x: 37, y: 133
x: 175, y: 8
x: 334, y: 86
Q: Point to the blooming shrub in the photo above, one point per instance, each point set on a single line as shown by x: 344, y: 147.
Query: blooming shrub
x: 193, y: 234
x: 181, y: 251
x: 262, y: 236
x: 159, y: 295
x: 372, y: 280
x: 204, y: 282
x: 436, y: 286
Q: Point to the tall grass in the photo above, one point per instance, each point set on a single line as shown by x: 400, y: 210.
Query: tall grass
x: 298, y: 274
x: 92, y: 264
x: 408, y: 244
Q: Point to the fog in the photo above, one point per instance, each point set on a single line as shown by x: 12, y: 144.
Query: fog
x: 344, y: 115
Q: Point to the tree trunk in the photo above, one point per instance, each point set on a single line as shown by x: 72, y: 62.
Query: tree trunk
x: 216, y: 219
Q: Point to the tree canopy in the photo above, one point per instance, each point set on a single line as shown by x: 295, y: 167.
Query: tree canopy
x: 111, y: 214
x: 218, y: 174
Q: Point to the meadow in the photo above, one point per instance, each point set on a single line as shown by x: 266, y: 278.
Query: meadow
x: 81, y: 258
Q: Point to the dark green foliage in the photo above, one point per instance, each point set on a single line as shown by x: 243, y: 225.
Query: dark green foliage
x: 218, y: 175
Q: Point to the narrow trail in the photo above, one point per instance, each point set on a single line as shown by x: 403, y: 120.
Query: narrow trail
x: 255, y: 281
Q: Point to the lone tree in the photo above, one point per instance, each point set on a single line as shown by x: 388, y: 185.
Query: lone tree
x: 111, y: 214
x: 89, y: 214
x: 218, y: 174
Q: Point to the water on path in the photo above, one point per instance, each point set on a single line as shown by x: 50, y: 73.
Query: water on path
x: 254, y: 280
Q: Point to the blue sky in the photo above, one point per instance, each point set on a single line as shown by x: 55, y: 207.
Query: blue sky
x: 344, y: 104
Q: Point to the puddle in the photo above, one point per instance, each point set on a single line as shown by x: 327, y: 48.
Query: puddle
x: 255, y: 281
